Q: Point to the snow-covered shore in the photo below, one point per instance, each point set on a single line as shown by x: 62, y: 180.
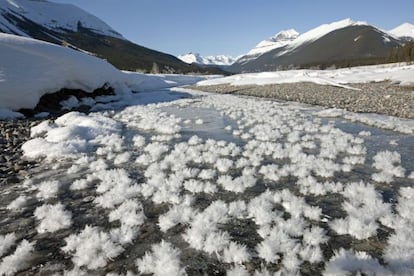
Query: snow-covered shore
x: 381, y: 98
x: 398, y: 73
x: 31, y: 68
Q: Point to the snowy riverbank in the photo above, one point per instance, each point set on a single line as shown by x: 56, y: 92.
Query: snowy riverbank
x: 31, y: 68
x: 382, y: 98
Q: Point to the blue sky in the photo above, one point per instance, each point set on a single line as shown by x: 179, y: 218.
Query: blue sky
x: 233, y: 27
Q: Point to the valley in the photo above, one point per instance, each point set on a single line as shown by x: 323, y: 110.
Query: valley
x: 295, y: 157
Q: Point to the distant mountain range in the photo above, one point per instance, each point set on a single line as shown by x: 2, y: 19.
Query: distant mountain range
x: 71, y: 26
x: 342, y: 43
x: 220, y: 60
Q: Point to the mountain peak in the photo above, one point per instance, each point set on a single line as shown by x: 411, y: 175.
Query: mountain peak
x: 72, y: 27
x: 292, y: 38
x: 406, y: 25
x: 324, y: 29
x: 284, y: 35
x: 221, y: 60
x: 404, y: 30
x: 278, y: 40
x: 326, y: 44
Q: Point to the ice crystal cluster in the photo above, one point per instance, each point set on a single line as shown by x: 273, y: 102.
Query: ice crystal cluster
x: 267, y: 188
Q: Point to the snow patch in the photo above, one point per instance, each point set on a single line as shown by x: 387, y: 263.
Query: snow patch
x: 337, y: 77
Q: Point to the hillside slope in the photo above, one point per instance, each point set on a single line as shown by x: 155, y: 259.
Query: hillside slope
x: 70, y: 26
x: 344, y: 43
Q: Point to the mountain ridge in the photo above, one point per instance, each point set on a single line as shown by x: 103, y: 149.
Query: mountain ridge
x: 54, y: 16
x: 219, y: 60
x: 70, y: 26
x: 339, y: 43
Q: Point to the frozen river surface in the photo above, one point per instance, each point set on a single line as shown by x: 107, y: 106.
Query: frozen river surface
x: 211, y: 184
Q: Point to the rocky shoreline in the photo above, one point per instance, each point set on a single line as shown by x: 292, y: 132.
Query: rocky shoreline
x: 14, y: 133
x: 13, y: 167
x: 380, y: 97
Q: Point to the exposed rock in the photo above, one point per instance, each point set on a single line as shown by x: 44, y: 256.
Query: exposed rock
x: 13, y: 134
x: 51, y: 102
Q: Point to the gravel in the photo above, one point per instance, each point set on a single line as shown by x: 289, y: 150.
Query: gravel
x: 13, y: 134
x: 378, y: 97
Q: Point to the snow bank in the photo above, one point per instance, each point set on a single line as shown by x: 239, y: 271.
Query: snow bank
x: 31, y: 68
x: 147, y: 82
x: 377, y: 120
x: 73, y: 133
x: 397, y: 73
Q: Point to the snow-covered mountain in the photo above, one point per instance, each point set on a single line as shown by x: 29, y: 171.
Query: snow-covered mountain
x: 54, y: 16
x: 405, y: 31
x: 326, y: 44
x: 220, y: 60
x: 278, y: 40
x: 68, y: 25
